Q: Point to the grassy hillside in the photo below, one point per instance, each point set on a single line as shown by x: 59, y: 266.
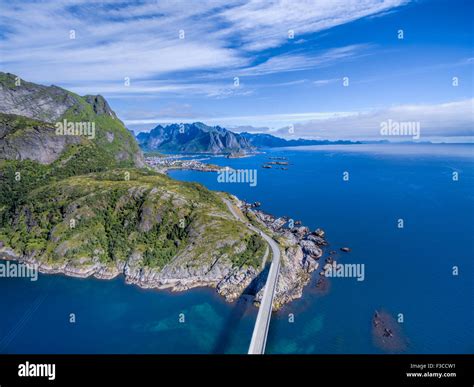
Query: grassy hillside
x: 110, y: 215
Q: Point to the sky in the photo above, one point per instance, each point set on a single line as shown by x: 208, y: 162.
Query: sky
x: 324, y: 69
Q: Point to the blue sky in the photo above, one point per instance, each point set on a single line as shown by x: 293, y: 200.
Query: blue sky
x: 284, y: 80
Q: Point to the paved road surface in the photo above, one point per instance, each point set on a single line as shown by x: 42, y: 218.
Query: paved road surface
x: 260, y: 332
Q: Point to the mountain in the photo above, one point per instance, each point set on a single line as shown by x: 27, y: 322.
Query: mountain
x: 32, y: 115
x: 86, y: 205
x: 264, y: 140
x: 193, y: 138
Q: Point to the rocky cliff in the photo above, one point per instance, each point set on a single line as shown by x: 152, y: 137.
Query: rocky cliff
x: 30, y: 114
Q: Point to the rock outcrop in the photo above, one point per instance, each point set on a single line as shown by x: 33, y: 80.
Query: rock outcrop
x: 300, y: 252
x: 43, y: 103
x: 28, y: 139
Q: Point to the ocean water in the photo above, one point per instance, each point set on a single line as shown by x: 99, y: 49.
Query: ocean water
x: 112, y: 317
x: 408, y: 271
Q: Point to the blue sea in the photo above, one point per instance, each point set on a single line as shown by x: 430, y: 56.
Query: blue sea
x: 408, y: 271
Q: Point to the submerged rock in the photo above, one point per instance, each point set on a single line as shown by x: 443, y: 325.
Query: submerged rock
x: 387, y: 333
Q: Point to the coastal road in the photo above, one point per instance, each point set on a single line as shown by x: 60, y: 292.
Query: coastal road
x: 262, y: 324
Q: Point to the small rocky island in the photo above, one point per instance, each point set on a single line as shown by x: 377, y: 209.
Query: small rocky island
x: 277, y: 164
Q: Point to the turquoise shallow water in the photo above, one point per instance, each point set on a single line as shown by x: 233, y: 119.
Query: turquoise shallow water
x: 407, y: 270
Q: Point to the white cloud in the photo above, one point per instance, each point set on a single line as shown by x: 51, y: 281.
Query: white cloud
x: 163, y: 88
x: 297, y: 62
x: 324, y: 82
x: 444, y: 120
x: 140, y: 40
x: 265, y: 120
x: 452, y: 121
x: 265, y: 23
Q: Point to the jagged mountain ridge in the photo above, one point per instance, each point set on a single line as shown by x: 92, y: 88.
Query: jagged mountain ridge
x: 193, y: 138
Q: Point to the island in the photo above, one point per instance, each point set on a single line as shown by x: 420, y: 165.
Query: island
x: 90, y: 204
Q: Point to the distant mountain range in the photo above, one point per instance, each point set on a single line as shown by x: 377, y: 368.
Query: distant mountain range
x: 200, y: 138
x: 264, y: 140
x: 193, y: 138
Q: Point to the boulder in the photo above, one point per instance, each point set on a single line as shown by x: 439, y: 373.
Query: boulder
x: 319, y: 232
x: 310, y: 248
x: 300, y: 231
x: 316, y: 239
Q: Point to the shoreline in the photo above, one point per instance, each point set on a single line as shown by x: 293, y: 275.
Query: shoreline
x: 175, y: 162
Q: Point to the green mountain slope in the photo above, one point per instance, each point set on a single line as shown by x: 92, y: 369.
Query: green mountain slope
x: 103, y: 219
